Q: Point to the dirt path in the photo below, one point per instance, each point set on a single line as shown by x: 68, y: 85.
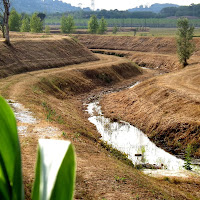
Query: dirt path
x: 99, y: 174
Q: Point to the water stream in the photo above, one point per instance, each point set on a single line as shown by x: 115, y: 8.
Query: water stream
x: 131, y: 141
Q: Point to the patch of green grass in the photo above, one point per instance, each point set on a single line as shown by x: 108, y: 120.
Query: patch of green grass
x: 50, y: 114
x: 37, y: 90
x: 120, y: 179
x: 60, y: 120
x: 137, y: 197
x: 166, y: 178
x: 77, y: 135
x: 104, y: 77
x: 63, y: 134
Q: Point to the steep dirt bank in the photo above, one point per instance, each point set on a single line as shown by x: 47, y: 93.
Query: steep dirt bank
x: 166, y: 108
x: 159, y: 62
x: 34, y: 54
x: 56, y: 95
x: 160, y: 45
x: 152, y: 52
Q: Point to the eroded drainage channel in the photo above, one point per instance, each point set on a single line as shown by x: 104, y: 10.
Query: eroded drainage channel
x: 133, y: 142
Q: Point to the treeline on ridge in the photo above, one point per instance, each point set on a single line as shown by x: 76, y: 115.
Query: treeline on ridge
x: 192, y: 10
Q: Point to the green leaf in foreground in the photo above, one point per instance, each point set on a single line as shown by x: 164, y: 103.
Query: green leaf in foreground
x: 55, y: 171
x: 11, y: 186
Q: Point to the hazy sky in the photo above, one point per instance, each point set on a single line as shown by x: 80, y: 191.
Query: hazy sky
x: 125, y: 4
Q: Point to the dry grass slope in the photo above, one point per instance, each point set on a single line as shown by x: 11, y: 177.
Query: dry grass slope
x: 152, y: 52
x: 166, y: 108
x: 35, y: 54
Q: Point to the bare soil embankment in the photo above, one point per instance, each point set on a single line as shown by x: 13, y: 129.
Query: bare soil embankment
x: 151, y: 52
x: 166, y: 108
x: 35, y: 54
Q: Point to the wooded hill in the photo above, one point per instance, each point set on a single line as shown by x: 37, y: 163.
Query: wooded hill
x: 156, y: 8
x: 57, y: 7
x: 47, y: 6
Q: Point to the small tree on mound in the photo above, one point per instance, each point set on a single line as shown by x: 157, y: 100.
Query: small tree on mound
x: 25, y: 25
x: 47, y: 29
x: 93, y: 24
x: 115, y: 29
x: 185, y: 46
x: 36, y: 24
x: 14, y: 20
x: 67, y: 24
x: 102, y: 26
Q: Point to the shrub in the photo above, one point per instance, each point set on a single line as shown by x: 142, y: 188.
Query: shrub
x: 47, y: 29
x: 25, y: 25
x: 67, y: 24
x: 14, y: 20
x: 187, y: 164
x: 93, y: 24
x: 36, y: 24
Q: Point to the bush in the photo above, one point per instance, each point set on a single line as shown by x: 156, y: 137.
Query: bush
x: 115, y: 30
x: 187, y: 164
x: 36, y: 24
x: 102, y: 26
x: 67, y: 24
x: 14, y: 20
x: 25, y: 25
x: 47, y: 29
x: 93, y: 24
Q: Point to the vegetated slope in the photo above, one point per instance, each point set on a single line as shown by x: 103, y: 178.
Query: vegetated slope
x: 166, y: 108
x: 34, y: 54
x: 151, y: 52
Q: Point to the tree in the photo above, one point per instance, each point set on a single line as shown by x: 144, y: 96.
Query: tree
x: 2, y: 25
x: 36, y: 24
x: 47, y: 29
x: 115, y: 29
x: 102, y: 26
x: 63, y: 24
x: 41, y: 16
x: 67, y: 24
x: 5, y: 8
x: 25, y: 25
x: 14, y: 20
x: 93, y: 24
x: 185, y: 46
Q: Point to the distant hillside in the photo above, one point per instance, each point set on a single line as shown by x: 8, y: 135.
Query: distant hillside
x: 48, y: 6
x: 156, y: 8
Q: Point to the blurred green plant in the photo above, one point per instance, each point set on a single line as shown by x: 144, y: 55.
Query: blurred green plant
x: 55, y: 168
x: 187, y: 164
